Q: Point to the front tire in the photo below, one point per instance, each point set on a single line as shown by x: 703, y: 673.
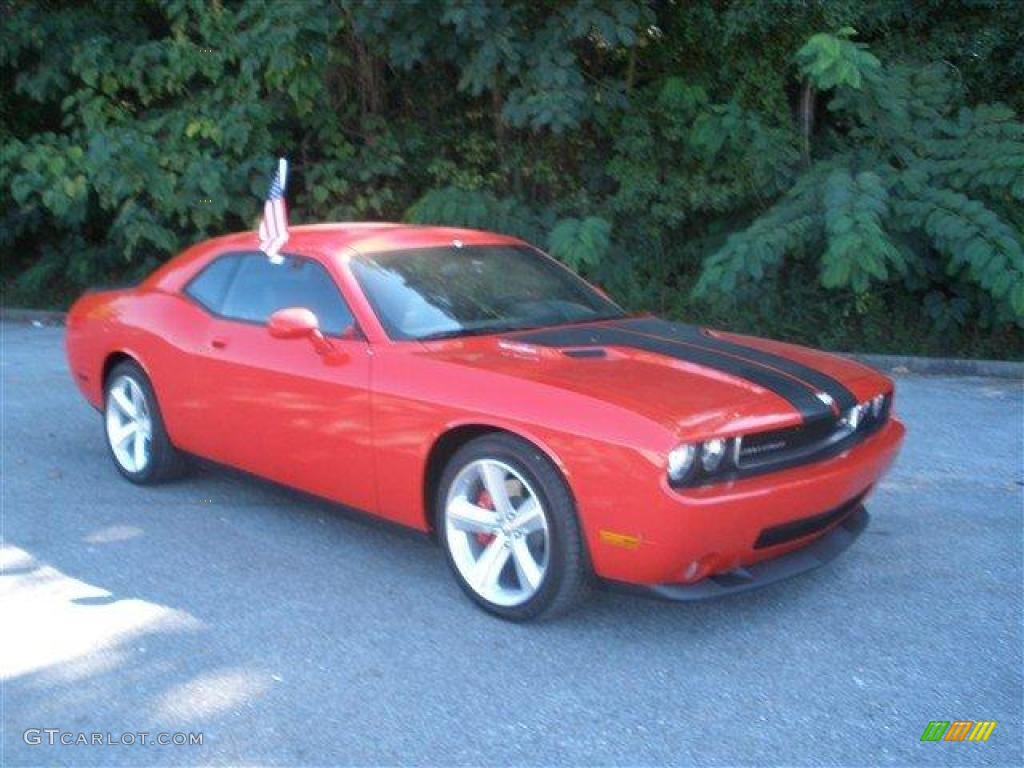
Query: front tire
x: 134, y: 428
x: 508, y: 526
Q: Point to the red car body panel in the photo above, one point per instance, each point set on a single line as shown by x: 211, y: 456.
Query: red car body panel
x: 359, y: 427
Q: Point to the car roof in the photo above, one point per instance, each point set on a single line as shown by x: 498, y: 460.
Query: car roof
x: 335, y: 238
x: 329, y: 241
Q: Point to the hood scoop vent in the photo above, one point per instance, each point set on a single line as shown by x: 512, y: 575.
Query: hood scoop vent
x: 585, y: 353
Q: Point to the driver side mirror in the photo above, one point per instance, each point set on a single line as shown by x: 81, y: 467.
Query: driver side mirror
x: 299, y: 322
x: 293, y: 323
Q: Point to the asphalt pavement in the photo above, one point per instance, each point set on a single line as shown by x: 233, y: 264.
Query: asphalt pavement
x: 288, y: 632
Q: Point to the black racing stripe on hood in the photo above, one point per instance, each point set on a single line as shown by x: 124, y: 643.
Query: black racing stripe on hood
x: 798, y: 395
x: 822, y: 382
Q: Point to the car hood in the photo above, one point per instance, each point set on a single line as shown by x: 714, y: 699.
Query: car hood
x: 692, y: 380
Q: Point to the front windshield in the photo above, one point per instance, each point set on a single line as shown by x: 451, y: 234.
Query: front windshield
x: 434, y: 293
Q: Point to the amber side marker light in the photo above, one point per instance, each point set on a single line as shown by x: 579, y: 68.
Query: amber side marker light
x: 616, y: 539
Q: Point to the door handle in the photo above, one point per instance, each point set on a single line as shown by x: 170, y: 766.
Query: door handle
x: 218, y: 342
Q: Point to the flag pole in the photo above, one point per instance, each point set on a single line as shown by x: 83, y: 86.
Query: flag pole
x: 273, y: 229
x: 282, y: 172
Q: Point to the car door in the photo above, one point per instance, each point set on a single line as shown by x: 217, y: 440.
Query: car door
x: 288, y: 409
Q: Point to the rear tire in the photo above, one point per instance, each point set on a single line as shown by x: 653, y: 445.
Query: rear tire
x: 508, y: 526
x: 134, y: 428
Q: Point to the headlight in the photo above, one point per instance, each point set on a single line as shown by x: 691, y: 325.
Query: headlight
x: 855, y: 415
x: 712, y: 453
x: 680, y: 462
x: 867, y: 415
x: 877, y: 402
x: 694, y: 463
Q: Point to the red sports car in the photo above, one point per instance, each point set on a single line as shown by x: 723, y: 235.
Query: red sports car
x: 465, y: 384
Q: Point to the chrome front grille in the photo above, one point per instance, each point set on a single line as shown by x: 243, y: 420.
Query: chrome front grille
x: 796, y: 445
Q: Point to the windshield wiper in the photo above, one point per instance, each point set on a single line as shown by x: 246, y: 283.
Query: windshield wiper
x: 443, y: 335
x: 595, y: 319
x: 456, y: 332
x: 492, y: 330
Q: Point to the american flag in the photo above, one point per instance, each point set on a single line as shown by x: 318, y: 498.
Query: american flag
x: 274, y: 224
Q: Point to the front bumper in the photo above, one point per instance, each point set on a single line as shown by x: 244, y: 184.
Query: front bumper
x: 687, y: 536
x: 766, y: 572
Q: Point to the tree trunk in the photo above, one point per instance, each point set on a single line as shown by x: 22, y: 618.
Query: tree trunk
x: 631, y: 70
x: 370, y: 77
x: 497, y: 104
x: 807, y: 99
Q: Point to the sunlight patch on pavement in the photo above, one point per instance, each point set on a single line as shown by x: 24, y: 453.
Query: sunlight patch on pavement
x: 113, y: 533
x: 12, y: 557
x: 51, y: 618
x: 211, y: 694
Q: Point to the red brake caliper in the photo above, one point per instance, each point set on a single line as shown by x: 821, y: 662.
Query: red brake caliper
x: 485, y: 501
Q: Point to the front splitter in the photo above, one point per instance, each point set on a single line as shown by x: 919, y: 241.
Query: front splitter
x: 766, y: 572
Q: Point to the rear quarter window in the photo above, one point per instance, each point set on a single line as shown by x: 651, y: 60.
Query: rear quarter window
x: 211, y: 285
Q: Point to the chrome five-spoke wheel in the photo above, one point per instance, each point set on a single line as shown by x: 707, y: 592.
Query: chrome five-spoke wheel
x: 497, y: 532
x: 135, y: 429
x: 129, y: 425
x: 507, y: 521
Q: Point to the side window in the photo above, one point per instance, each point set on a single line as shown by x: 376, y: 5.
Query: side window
x: 210, y: 285
x: 261, y: 287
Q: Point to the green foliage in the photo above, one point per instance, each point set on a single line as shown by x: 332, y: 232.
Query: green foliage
x: 475, y: 209
x: 976, y: 243
x: 832, y: 61
x: 858, y: 249
x: 580, y: 243
x: 757, y: 163
x: 916, y: 191
x: 751, y: 255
